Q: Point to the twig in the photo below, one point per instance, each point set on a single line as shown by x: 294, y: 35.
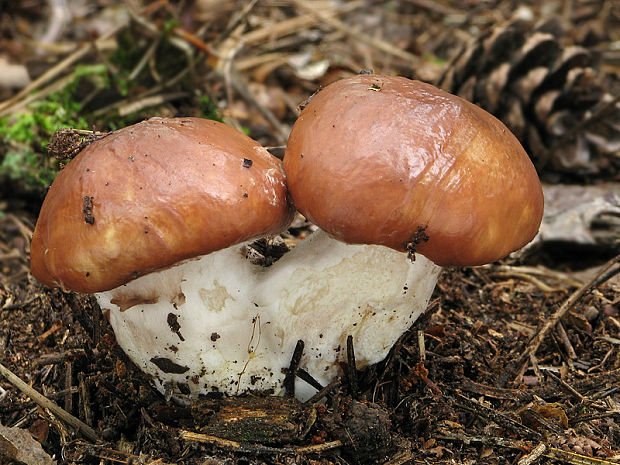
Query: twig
x: 594, y: 416
x: 576, y: 459
x: 379, y: 44
x: 41, y: 94
x: 530, y: 458
x: 324, y: 392
x: 227, y: 51
x: 85, y: 398
x: 570, y: 350
x: 138, y: 105
x: 237, y: 17
x: 308, y: 378
x: 564, y: 385
x: 352, y: 368
x: 105, y: 454
x: 497, y: 417
x: 68, y: 386
x: 180, y: 43
x: 24, y: 230
x: 290, y: 26
x: 601, y: 365
x: 118, y: 106
x: 525, y: 446
x: 289, y: 378
x: 421, y: 345
x: 14, y: 253
x: 235, y: 446
x: 240, y: 86
x: 552, y: 321
x: 535, y: 271
x: 144, y: 60
x: 400, y: 458
x: 60, y: 357
x: 59, y: 68
x: 44, y: 402
x: 56, y: 325
x: 526, y: 277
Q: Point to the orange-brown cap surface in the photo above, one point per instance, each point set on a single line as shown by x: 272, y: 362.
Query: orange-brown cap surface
x: 150, y: 195
x: 374, y: 158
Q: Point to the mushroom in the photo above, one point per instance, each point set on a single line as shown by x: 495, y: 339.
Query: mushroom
x: 404, y: 167
x: 390, y: 161
x: 153, y: 219
x: 149, y: 218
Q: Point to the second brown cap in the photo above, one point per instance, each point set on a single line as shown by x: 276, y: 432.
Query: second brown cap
x: 380, y: 159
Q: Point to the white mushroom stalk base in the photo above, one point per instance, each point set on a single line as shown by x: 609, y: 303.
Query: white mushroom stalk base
x: 223, y: 324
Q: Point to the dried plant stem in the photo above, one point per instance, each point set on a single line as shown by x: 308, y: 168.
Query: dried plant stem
x: 525, y: 446
x: 57, y: 69
x: 290, y: 26
x: 530, y: 458
x: 379, y: 44
x: 257, y: 448
x: 608, y: 270
x: 41, y: 94
x: 45, y: 403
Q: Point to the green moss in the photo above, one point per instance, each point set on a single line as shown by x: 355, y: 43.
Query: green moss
x: 24, y: 135
x: 208, y: 108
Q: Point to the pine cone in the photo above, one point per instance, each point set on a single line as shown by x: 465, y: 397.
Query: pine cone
x: 548, y: 93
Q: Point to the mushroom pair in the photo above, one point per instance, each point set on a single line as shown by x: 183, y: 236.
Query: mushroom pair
x: 401, y: 177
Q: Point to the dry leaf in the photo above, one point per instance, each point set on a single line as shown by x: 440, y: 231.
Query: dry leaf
x: 17, y: 445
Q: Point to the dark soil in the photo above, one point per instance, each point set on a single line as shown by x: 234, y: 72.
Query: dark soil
x: 463, y: 400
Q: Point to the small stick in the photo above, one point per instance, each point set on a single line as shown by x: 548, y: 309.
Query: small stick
x: 144, y: 60
x: 352, y: 368
x: 551, y: 452
x: 497, y: 417
x: 563, y: 384
x: 56, y: 325
x: 289, y: 379
x: 44, y: 402
x: 105, y: 454
x: 324, y: 392
x: 142, y: 103
x: 379, y: 44
x: 293, y: 25
x: 530, y: 458
x: 68, y: 386
x: 59, y: 68
x: 85, y: 399
x: 570, y: 351
x: 308, y: 378
x: 421, y: 345
x: 60, y: 357
x: 606, y: 272
x: 400, y: 459
x: 257, y: 448
x: 565, y: 278
x: 535, y: 366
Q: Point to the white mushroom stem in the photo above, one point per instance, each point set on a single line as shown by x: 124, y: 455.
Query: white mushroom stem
x: 221, y: 323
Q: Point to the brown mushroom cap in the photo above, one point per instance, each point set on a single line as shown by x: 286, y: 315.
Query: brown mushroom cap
x: 373, y: 158
x: 151, y: 195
